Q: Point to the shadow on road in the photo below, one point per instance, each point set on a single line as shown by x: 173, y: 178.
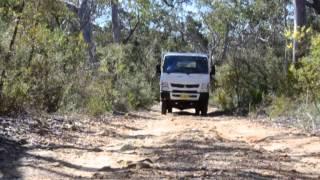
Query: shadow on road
x: 188, y: 157
x: 219, y: 113
x: 10, y: 153
x: 215, y: 113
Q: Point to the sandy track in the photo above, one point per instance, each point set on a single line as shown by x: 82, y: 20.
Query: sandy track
x: 148, y: 145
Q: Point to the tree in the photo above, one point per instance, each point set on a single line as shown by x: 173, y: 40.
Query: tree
x: 85, y: 12
x: 115, y: 21
x: 194, y: 36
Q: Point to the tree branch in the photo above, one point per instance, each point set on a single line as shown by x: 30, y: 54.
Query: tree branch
x: 72, y: 7
x: 132, y: 32
x: 15, y: 32
x: 173, y: 2
x: 168, y: 4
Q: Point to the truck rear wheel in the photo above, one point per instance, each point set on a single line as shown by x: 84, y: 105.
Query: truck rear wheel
x: 164, y: 108
x: 169, y: 109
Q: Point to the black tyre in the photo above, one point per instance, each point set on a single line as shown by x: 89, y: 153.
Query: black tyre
x: 204, y: 109
x: 169, y: 109
x: 164, y: 108
x: 197, y: 111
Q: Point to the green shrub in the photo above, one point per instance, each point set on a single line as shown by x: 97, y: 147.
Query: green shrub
x: 247, y: 78
x: 308, y: 74
x: 96, y: 105
x: 281, y: 106
x: 130, y: 74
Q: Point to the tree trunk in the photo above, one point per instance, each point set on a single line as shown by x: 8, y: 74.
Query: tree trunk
x: 226, y: 41
x: 115, y: 21
x: 300, y: 20
x: 85, y: 13
x: 286, y: 60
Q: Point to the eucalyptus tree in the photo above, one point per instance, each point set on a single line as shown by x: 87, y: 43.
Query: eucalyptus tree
x: 115, y: 21
x: 247, y: 40
x: 85, y: 10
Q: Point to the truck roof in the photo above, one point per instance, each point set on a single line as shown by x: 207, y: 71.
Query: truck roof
x: 185, y: 54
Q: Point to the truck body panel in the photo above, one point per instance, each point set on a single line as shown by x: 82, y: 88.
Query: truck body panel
x: 185, y: 82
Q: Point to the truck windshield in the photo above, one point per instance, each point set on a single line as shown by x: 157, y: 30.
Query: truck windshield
x: 186, y: 64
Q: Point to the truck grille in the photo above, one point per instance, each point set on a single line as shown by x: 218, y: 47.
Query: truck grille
x: 185, y: 85
x: 178, y: 85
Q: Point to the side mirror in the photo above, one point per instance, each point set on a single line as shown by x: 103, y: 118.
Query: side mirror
x: 158, y: 69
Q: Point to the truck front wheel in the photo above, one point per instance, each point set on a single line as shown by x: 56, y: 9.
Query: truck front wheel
x: 204, y: 109
x: 164, y: 107
x: 197, y: 111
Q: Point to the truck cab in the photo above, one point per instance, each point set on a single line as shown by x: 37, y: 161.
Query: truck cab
x: 185, y: 82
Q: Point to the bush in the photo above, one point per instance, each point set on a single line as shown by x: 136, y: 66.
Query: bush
x: 308, y: 74
x: 38, y: 72
x: 307, y: 82
x: 247, y: 78
x: 54, y: 76
x: 129, y: 73
x: 281, y: 106
x: 224, y: 93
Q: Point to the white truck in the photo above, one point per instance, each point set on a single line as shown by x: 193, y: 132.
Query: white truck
x: 185, y: 82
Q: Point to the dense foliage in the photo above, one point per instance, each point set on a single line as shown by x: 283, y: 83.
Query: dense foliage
x: 97, y: 56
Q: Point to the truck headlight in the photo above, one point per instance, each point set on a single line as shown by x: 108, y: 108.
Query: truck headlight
x: 204, y: 87
x: 164, y: 86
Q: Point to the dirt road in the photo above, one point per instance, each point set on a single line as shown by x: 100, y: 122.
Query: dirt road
x: 148, y: 145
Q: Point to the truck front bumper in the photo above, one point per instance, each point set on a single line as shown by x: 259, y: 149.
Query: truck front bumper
x: 167, y: 96
x: 181, y: 103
